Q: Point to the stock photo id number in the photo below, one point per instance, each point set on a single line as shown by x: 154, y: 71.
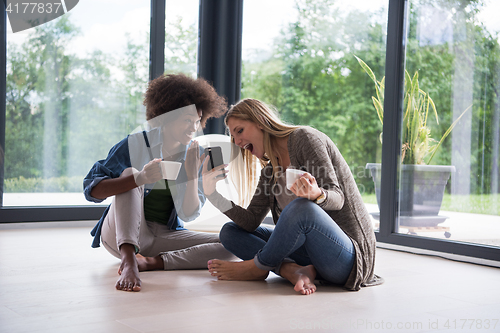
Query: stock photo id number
x: 24, y: 14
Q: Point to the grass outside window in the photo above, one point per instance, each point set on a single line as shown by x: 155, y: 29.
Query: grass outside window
x: 488, y: 204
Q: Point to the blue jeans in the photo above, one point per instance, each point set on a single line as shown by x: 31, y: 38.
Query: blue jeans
x: 304, y: 233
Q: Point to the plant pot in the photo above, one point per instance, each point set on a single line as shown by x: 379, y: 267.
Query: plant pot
x: 420, y: 193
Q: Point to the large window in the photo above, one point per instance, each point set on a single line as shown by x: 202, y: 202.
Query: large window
x: 304, y: 63
x: 73, y: 89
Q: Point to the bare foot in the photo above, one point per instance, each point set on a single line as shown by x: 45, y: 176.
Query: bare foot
x: 142, y: 264
x: 236, y: 270
x: 129, y: 270
x: 300, y: 276
x: 149, y: 263
x: 129, y: 276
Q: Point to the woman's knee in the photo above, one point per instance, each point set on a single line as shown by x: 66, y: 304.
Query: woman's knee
x: 227, y: 232
x: 133, y: 196
x: 301, y: 207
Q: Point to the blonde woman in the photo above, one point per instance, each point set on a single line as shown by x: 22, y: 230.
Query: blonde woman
x: 323, y: 230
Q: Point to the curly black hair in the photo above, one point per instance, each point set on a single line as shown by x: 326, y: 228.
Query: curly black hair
x: 172, y: 91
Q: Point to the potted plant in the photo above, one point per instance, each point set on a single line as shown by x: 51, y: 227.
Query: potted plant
x: 422, y: 185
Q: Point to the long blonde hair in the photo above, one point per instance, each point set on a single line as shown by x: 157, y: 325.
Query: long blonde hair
x: 244, y: 170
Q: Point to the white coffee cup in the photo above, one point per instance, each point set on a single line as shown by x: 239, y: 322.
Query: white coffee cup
x: 170, y: 169
x: 292, y: 175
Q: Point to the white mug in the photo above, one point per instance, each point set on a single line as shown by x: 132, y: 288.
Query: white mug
x: 170, y: 169
x: 291, y: 176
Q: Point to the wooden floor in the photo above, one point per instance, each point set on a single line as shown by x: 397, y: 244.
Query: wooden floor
x: 52, y: 281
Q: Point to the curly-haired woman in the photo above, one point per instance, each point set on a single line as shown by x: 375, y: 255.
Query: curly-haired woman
x: 143, y: 226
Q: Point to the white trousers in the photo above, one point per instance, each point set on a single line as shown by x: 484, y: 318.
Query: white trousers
x: 179, y: 249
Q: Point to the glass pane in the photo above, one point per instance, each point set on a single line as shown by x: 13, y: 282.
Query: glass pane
x: 452, y: 60
x: 181, y: 37
x: 303, y: 62
x: 74, y: 89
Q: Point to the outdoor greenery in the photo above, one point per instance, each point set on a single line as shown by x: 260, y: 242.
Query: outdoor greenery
x: 475, y: 204
x: 65, y: 111
x: 417, y: 141
x: 314, y: 78
x: 54, y: 184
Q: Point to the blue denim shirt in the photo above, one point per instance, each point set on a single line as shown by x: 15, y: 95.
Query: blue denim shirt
x: 133, y: 152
